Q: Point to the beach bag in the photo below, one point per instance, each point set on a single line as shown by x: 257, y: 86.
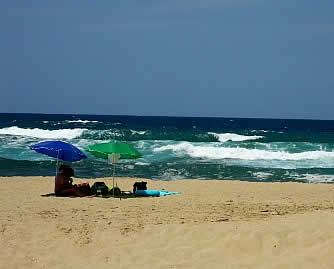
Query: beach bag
x: 84, y: 188
x: 139, y: 186
x: 99, y: 188
x: 115, y: 191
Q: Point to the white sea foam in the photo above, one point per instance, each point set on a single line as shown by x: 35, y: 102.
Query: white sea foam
x: 82, y: 121
x: 40, y: 133
x: 105, y: 133
x: 262, y: 175
x: 142, y: 163
x: 315, y: 178
x: 256, y: 131
x: 215, y: 152
x: 129, y: 166
x: 174, y: 174
x: 137, y: 132
x: 234, y: 137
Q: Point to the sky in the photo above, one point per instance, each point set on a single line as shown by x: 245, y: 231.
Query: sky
x: 208, y: 58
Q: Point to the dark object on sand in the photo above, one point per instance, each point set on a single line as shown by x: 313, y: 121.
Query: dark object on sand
x: 115, y: 191
x: 139, y: 186
x: 84, y: 188
x: 99, y: 188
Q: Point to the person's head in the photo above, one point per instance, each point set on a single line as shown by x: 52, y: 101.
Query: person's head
x: 66, y: 170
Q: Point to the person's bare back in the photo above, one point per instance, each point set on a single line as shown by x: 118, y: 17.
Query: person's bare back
x: 63, y: 183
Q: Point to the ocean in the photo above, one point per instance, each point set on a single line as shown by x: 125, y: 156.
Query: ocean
x: 266, y: 150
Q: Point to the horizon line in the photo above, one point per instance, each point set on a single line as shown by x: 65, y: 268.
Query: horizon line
x: 129, y: 115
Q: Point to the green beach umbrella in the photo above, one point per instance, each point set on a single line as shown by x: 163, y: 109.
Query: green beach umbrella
x: 112, y: 152
x: 103, y: 150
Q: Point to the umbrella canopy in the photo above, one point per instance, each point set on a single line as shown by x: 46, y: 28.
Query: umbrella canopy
x: 60, y: 150
x: 103, y: 150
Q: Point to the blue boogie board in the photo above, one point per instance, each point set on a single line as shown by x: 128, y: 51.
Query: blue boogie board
x: 154, y: 193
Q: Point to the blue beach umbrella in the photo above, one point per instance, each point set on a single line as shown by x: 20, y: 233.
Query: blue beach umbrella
x: 59, y: 150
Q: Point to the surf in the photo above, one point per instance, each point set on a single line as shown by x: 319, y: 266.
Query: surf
x: 42, y: 133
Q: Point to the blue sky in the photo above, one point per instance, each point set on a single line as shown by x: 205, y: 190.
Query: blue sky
x: 241, y: 58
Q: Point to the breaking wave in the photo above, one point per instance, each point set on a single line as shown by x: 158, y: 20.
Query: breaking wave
x: 234, y: 137
x: 138, y: 135
x: 216, y: 152
x: 82, y: 121
x: 41, y: 133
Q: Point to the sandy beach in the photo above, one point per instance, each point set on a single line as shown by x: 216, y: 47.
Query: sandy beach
x: 212, y: 224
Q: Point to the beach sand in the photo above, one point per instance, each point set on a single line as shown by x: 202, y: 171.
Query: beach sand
x: 212, y: 224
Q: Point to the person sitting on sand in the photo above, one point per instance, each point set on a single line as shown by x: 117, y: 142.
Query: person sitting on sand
x: 63, y: 183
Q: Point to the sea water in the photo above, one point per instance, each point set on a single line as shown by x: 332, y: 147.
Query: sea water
x: 176, y: 147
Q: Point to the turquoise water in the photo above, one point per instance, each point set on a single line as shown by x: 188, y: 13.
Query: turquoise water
x: 176, y: 147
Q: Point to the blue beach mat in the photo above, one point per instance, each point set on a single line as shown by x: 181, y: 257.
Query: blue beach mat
x: 154, y: 193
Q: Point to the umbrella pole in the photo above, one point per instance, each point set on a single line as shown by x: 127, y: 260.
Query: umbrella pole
x: 57, y: 163
x: 113, y: 182
x: 57, y: 167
